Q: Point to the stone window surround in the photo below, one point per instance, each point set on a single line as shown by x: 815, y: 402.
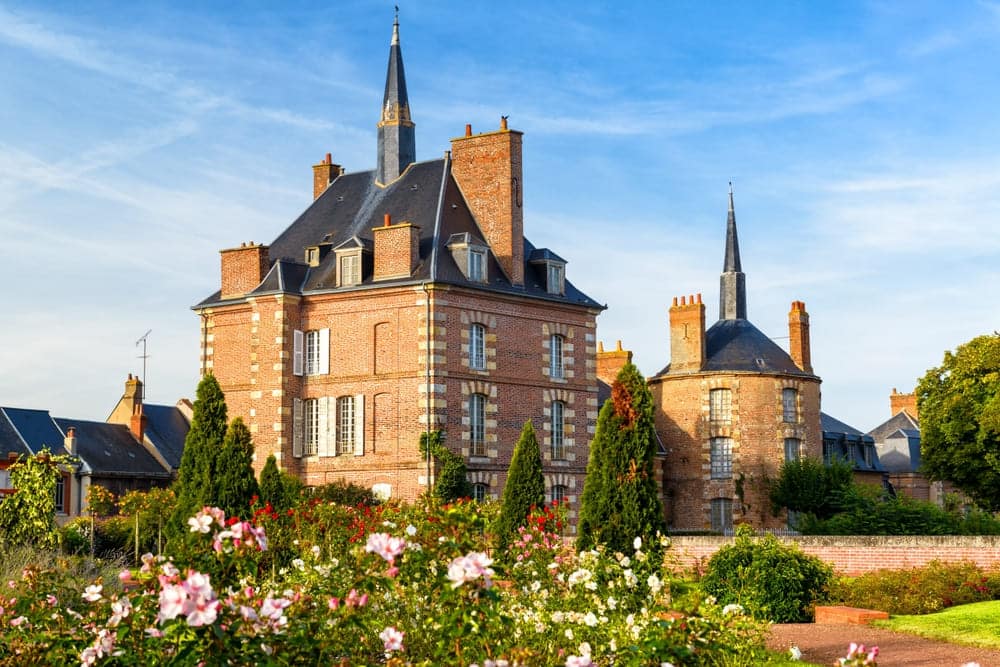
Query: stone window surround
x: 489, y: 391
x: 567, y: 334
x: 488, y: 321
x: 567, y: 398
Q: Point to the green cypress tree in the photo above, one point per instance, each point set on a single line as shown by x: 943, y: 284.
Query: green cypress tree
x: 525, y: 488
x: 235, y: 484
x: 620, y: 497
x: 271, y: 488
x: 201, y: 448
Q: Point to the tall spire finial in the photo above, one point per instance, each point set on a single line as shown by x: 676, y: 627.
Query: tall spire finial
x: 732, y: 292
x: 396, y: 141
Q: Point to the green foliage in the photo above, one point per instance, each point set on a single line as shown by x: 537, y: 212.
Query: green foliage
x: 28, y: 515
x: 959, y: 405
x: 808, y: 486
x: 452, y: 481
x: 620, y: 497
x: 346, y: 493
x: 972, y: 624
x: 869, y: 511
x: 234, y: 480
x: 771, y: 580
x: 920, y: 590
x: 271, y: 489
x: 525, y: 488
x: 201, y: 449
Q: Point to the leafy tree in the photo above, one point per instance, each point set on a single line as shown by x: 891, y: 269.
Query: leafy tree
x: 810, y: 487
x: 201, y: 448
x: 620, y: 498
x: 959, y: 406
x: 525, y: 488
x: 452, y: 481
x: 234, y: 480
x: 28, y: 515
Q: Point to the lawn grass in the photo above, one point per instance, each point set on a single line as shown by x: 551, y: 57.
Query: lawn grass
x: 973, y: 624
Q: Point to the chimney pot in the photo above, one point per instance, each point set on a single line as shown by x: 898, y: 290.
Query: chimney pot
x: 503, y: 122
x: 600, y: 346
x: 675, y: 301
x: 329, y: 159
x: 468, y: 129
x: 618, y: 346
x: 699, y: 297
x: 388, y: 220
x: 683, y: 300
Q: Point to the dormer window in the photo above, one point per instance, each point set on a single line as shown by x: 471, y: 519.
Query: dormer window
x: 312, y: 256
x: 350, y: 261
x: 469, y: 253
x: 554, y: 281
x: 550, y: 268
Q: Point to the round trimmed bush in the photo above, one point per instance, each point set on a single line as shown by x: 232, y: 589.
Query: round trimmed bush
x: 771, y: 580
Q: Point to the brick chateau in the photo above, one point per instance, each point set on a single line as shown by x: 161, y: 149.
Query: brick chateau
x: 405, y: 298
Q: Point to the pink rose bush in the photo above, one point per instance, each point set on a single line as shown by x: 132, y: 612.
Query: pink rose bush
x: 400, y: 585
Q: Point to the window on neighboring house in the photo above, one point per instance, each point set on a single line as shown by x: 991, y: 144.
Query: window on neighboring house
x: 558, y: 442
x: 480, y: 492
x: 827, y: 452
x: 558, y: 494
x: 345, y: 425
x: 722, y: 515
x: 477, y: 424
x: 4, y: 479
x: 792, y: 449
x: 554, y: 278
x: 477, y: 265
x: 350, y: 269
x: 310, y: 424
x: 869, y: 452
x: 720, y: 406
x: 789, y: 405
x: 477, y: 347
x: 61, y: 495
x: 556, y: 370
x: 721, y: 458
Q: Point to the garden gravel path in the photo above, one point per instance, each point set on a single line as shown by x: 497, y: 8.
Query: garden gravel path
x: 822, y: 644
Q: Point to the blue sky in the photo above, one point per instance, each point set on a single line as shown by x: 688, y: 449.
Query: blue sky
x: 863, y: 140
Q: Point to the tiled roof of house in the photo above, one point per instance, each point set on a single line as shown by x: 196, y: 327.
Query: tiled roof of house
x: 10, y: 441
x: 36, y: 429
x: 110, y: 449
x: 425, y: 195
x: 737, y: 345
x: 899, y: 420
x: 166, y: 428
x: 834, y: 425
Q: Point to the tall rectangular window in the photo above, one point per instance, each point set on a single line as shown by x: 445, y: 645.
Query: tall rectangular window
x: 350, y: 269
x: 558, y: 494
x: 477, y: 265
x: 480, y: 492
x: 556, y: 370
x: 312, y: 352
x: 793, y: 448
x: 558, y: 442
x: 722, y: 515
x: 477, y: 424
x: 61, y: 495
x: 477, y: 347
x: 720, y: 406
x: 790, y: 405
x: 721, y: 457
x: 554, y: 279
x: 311, y: 425
x: 345, y: 425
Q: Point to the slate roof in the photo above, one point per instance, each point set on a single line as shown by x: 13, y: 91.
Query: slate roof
x: 901, y: 420
x: 737, y: 345
x: 166, y: 428
x: 36, y: 429
x: 10, y: 441
x: 846, y: 442
x: 898, y: 442
x: 425, y: 195
x: 110, y: 449
x: 834, y: 425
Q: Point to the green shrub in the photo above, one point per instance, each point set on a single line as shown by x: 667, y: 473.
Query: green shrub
x: 524, y: 490
x: 870, y: 512
x: 346, y: 493
x: 808, y: 486
x: 920, y: 590
x: 771, y: 580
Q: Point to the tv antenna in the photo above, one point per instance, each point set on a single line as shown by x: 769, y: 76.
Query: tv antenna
x: 143, y: 356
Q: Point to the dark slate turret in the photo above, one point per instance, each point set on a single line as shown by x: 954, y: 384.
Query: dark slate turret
x: 396, y: 137
x: 732, y: 288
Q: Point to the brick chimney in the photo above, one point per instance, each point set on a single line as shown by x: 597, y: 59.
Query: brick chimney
x: 69, y: 442
x: 243, y: 268
x: 903, y: 403
x: 687, y: 334
x: 138, y: 423
x: 323, y: 174
x: 798, y: 336
x: 487, y: 168
x: 397, y: 249
x: 611, y: 362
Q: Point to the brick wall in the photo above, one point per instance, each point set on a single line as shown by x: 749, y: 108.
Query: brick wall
x: 396, y: 249
x: 243, y: 268
x: 856, y: 555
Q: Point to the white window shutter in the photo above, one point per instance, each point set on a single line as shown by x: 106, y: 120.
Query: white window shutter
x: 324, y: 351
x: 297, y: 427
x: 321, y: 434
x: 298, y: 343
x: 333, y: 421
x: 359, y: 425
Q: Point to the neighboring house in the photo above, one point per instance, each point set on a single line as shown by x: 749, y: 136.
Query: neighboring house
x: 116, y: 456
x: 406, y: 298
x: 847, y: 443
x: 898, y: 443
x: 732, y: 406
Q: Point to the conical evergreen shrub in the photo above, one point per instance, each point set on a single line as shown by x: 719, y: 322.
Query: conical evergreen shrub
x: 525, y: 488
x: 235, y: 484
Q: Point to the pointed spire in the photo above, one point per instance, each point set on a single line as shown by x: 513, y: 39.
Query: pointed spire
x: 732, y: 291
x: 396, y: 136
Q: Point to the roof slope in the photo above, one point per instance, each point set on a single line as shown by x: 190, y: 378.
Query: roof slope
x: 834, y: 425
x: 739, y: 346
x: 36, y: 429
x: 901, y: 420
x: 425, y: 195
x: 10, y: 441
x: 110, y: 449
x: 166, y: 428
